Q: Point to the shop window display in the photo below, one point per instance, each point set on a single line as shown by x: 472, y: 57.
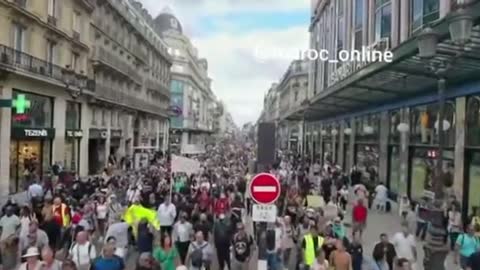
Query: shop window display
x: 473, y: 121
x: 423, y: 168
x: 424, y: 124
x: 474, y: 185
x: 367, y: 162
x: 394, y: 172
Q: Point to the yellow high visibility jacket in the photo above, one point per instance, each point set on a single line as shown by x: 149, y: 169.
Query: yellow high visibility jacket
x: 309, y: 253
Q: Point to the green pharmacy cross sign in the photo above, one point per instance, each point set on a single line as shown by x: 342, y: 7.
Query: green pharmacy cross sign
x: 21, y: 104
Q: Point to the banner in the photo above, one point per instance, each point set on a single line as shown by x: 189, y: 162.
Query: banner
x: 185, y: 165
x: 135, y: 213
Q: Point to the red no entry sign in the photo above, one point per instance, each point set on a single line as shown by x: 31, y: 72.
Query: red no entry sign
x: 264, y: 188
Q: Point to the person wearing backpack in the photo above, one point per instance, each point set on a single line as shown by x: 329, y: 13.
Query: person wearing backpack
x: 466, y: 245
x: 82, y: 252
x: 200, y: 253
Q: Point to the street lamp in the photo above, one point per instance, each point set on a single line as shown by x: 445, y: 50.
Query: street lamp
x: 460, y: 28
x: 461, y: 25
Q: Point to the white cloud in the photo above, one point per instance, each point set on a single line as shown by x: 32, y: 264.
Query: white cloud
x: 240, y: 79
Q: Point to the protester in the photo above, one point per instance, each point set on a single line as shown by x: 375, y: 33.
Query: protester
x: 384, y: 251
x: 200, y: 253
x: 49, y: 261
x: 31, y: 260
x: 108, y: 260
x: 82, y: 252
x: 166, y: 254
x: 405, y: 245
x: 182, y: 233
x: 243, y: 248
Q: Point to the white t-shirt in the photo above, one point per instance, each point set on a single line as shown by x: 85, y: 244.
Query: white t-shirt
x: 80, y: 254
x: 381, y: 192
x: 404, y: 245
x: 166, y: 214
x: 9, y: 226
x: 102, y: 211
x: 182, y: 231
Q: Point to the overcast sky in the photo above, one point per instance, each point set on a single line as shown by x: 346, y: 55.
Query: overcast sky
x: 231, y: 34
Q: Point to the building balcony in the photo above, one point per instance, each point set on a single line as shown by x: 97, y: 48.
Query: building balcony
x: 157, y: 87
x: 88, y: 4
x: 12, y: 60
x: 105, y: 58
x: 106, y: 92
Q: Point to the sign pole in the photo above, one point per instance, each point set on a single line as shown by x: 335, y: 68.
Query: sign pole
x: 264, y: 190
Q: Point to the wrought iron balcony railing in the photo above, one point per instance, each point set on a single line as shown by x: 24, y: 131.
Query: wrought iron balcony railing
x: 17, y: 60
x: 116, y: 63
x: 107, y: 92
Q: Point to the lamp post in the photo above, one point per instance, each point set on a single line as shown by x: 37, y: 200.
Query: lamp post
x: 460, y: 28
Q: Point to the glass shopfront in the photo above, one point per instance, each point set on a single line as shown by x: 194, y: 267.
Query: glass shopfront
x: 422, y: 167
x: 473, y: 180
x: 73, y: 137
x: 424, y: 124
x: 31, y: 138
x: 366, y: 160
x: 396, y: 186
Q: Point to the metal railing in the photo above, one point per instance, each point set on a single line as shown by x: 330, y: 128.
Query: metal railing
x: 14, y: 59
x: 116, y: 63
x: 109, y: 93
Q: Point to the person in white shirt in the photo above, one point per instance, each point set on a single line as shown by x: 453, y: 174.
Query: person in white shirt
x: 82, y: 252
x: 381, y: 197
x: 182, y: 233
x: 405, y: 246
x: 35, y: 190
x: 119, y: 232
x: 166, y: 215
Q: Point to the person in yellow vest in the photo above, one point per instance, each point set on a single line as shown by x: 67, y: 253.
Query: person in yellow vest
x: 61, y: 213
x: 310, y: 244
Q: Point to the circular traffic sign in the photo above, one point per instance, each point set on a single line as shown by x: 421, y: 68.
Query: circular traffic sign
x: 264, y: 188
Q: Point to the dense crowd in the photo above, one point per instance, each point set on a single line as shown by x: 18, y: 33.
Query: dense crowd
x: 153, y: 218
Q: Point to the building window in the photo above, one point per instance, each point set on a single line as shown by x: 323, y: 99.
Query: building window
x: 424, y: 12
x: 383, y: 19
x: 94, y: 117
x: 104, y: 117
x: 296, y: 96
x: 119, y: 119
x: 358, y: 39
x: 19, y: 32
x: 75, y: 58
x: 30, y: 110
x: 52, y: 5
x: 113, y: 117
x: 76, y: 22
x: 72, y: 115
x: 50, y: 52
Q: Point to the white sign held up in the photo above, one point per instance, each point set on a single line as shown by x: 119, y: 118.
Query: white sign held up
x: 264, y: 213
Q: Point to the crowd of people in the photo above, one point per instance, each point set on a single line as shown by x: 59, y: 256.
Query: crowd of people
x: 153, y: 218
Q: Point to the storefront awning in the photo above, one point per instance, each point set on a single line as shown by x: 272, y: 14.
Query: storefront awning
x: 380, y: 83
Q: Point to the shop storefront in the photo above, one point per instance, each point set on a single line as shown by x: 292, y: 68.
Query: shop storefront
x: 31, y: 138
x: 471, y: 199
x: 115, y: 138
x: 367, y: 131
x: 73, y: 136
x: 96, y: 150
x: 396, y: 186
x: 424, y: 146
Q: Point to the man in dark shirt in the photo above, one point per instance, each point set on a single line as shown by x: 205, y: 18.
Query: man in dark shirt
x: 473, y: 262
x: 384, y: 250
x: 242, y: 248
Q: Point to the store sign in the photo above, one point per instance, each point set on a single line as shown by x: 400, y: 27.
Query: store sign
x: 74, y: 133
x: 345, y: 70
x: 21, y: 104
x: 115, y: 133
x: 33, y: 132
x: 98, y: 133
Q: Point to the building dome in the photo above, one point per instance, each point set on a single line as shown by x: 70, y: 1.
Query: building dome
x: 166, y: 21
